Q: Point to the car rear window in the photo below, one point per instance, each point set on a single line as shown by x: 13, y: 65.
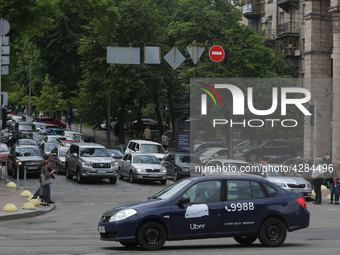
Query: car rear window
x: 272, y: 192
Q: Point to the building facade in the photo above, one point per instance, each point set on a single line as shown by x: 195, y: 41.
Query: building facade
x: 308, y: 33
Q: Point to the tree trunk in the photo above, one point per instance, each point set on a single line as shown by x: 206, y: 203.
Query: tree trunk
x: 140, y: 127
x: 158, y: 114
x: 171, y: 108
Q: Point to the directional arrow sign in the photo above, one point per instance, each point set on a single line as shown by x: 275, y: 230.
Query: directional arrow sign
x: 216, y: 53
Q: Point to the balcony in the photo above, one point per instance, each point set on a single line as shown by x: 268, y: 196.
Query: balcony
x: 286, y: 4
x: 269, y: 34
x: 252, y: 11
x: 288, y: 28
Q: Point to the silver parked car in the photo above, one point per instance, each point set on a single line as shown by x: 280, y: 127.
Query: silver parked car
x: 141, y: 166
x: 57, y: 158
x: 284, y: 177
x: 90, y: 161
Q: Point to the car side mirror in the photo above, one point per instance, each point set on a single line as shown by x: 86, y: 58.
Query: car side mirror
x: 74, y: 154
x: 183, y: 200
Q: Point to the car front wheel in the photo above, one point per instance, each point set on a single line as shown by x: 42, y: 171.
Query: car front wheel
x: 272, y: 232
x: 131, y: 178
x: 80, y: 179
x: 67, y: 173
x: 151, y: 236
x: 176, y: 176
x: 120, y: 176
x: 245, y: 240
x: 113, y: 180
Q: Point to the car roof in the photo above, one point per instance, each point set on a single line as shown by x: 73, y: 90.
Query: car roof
x: 89, y: 145
x: 145, y: 142
x: 225, y: 160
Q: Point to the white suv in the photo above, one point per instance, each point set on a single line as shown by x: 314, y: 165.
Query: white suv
x: 145, y: 146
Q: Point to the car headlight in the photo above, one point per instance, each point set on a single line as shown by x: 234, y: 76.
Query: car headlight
x: 114, y: 163
x: 86, y: 163
x: 280, y: 184
x: 122, y: 215
x: 140, y: 170
x: 244, y: 150
x: 19, y: 163
x: 163, y: 170
x: 185, y: 169
x: 309, y: 185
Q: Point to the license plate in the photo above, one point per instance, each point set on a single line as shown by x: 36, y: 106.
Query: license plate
x: 297, y: 190
x: 101, y: 171
x: 32, y: 168
x: 153, y: 175
x: 101, y: 229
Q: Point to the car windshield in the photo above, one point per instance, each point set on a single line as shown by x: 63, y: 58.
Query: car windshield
x: 62, y: 152
x: 4, y: 147
x: 152, y: 148
x: 38, y: 125
x: 187, y: 159
x: 38, y: 136
x: 208, y: 152
x: 145, y: 159
x: 116, y: 153
x: 27, y: 141
x: 274, y: 172
x: 171, y: 190
x: 228, y: 168
x: 49, y: 147
x: 27, y: 152
x: 26, y: 127
x: 94, y: 152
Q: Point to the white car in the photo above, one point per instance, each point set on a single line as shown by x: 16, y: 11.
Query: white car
x: 145, y: 146
x: 54, y: 138
x: 71, y: 135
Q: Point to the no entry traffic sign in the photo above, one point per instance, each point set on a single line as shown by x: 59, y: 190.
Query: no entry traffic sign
x: 216, y: 53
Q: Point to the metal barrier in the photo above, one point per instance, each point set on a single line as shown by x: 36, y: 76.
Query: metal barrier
x: 18, y: 175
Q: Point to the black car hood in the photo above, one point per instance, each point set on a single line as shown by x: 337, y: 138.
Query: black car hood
x: 135, y: 206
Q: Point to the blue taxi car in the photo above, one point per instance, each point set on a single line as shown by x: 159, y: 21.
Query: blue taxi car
x: 208, y: 207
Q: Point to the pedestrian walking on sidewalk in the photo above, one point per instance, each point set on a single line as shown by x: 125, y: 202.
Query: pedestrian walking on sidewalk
x: 43, y: 189
x: 317, y: 180
x: 147, y: 133
x: 69, y: 121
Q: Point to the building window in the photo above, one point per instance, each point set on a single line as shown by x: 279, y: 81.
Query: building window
x: 282, y: 17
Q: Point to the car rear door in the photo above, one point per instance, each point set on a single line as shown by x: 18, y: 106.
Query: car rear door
x: 245, y: 204
x: 200, y: 216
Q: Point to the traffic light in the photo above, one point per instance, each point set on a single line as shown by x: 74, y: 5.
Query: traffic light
x: 311, y: 110
x: 5, y: 118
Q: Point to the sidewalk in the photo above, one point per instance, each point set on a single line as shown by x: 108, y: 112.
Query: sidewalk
x: 12, y: 196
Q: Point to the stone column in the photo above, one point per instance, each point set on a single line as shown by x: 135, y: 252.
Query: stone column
x: 335, y: 11
x: 317, y: 71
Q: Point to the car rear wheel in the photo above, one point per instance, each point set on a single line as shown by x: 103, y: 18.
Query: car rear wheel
x: 245, y: 240
x: 151, y: 236
x: 129, y: 244
x: 113, y: 180
x: 67, y: 173
x: 252, y: 156
x: 56, y: 168
x: 131, y: 179
x: 272, y: 232
x: 175, y: 176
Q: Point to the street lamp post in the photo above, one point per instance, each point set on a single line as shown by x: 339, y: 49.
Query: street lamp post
x: 29, y: 90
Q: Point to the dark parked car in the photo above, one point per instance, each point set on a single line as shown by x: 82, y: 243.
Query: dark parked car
x: 4, y: 151
x: 275, y: 147
x: 273, y: 159
x: 6, y: 137
x: 153, y: 125
x: 179, y: 165
x: 27, y: 142
x: 23, y: 130
x: 22, y: 156
x: 208, y: 207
